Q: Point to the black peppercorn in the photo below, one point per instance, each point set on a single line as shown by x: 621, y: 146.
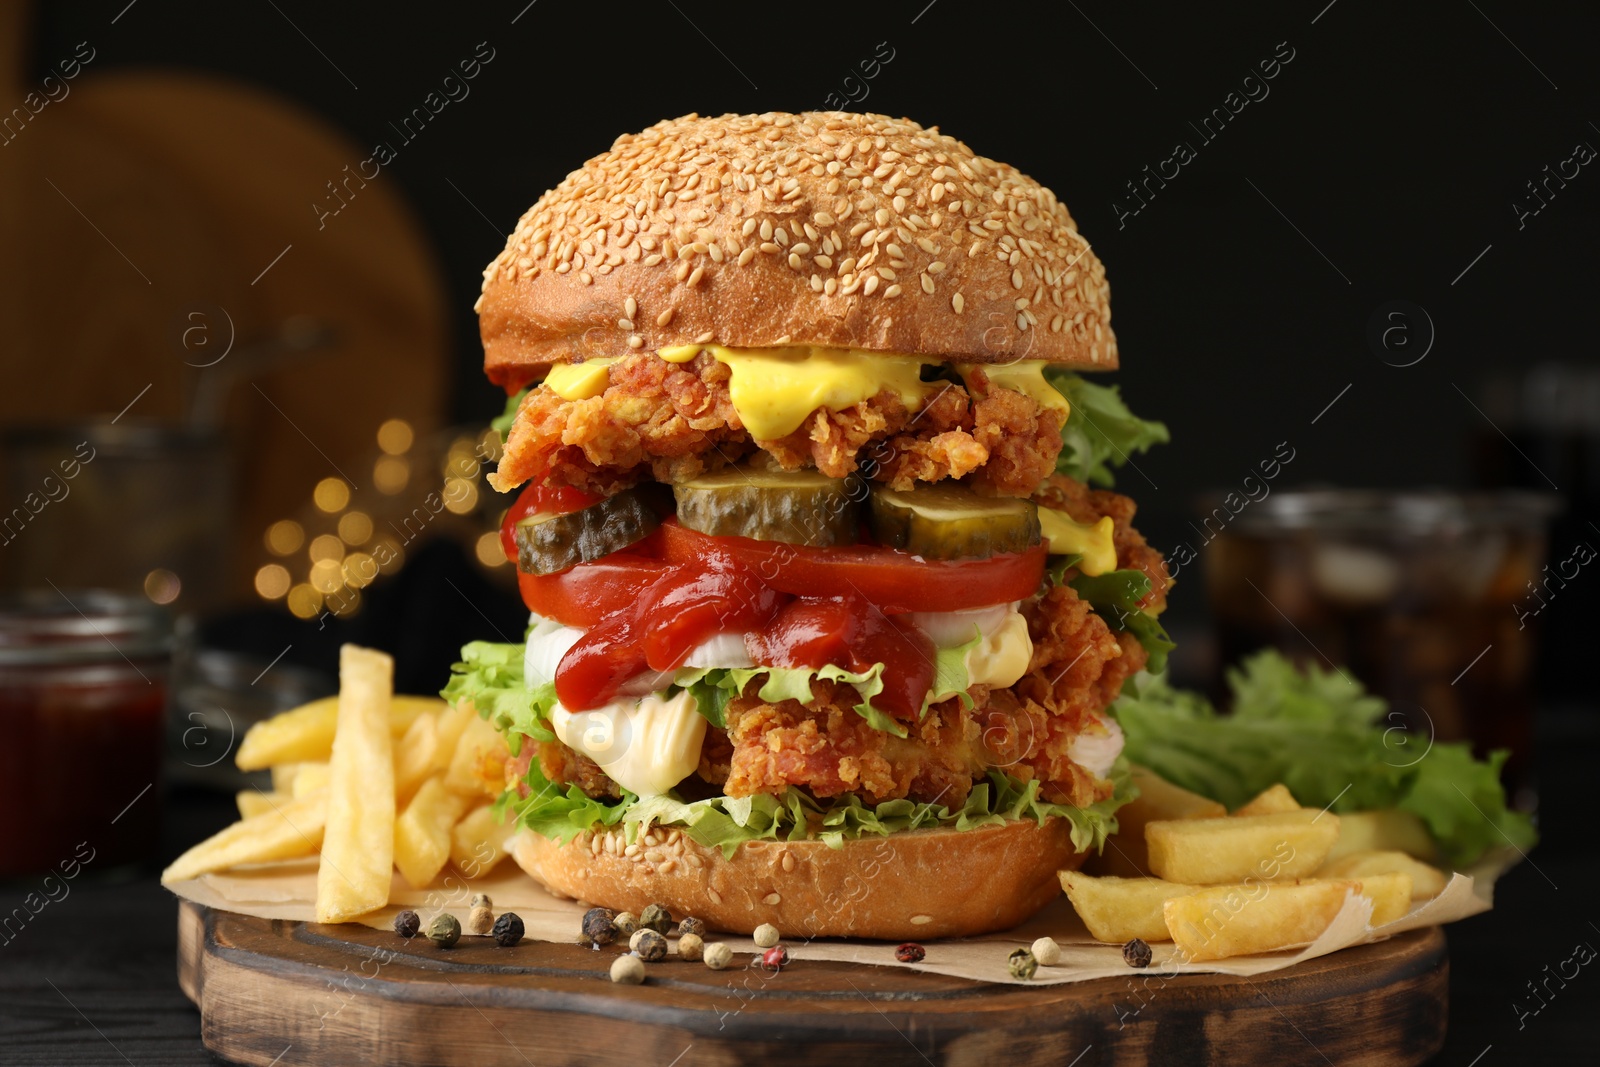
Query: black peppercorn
x: 598, y: 927
x: 910, y: 952
x: 1136, y: 953
x: 657, y: 918
x: 690, y: 925
x: 648, y: 944
x: 407, y: 923
x: 508, y: 929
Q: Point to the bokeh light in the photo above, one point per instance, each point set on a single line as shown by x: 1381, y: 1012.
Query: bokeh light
x: 284, y: 537
x: 272, y: 581
x: 390, y: 556
x: 162, y: 586
x: 355, y: 527
x: 359, y: 570
x: 491, y: 553
x: 390, y: 474
x: 460, y: 495
x: 395, y: 437
x: 331, y: 494
x: 327, y: 575
x: 326, y: 547
x: 304, y: 601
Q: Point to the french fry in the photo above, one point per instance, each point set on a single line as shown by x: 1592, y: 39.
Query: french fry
x: 1237, y: 920
x: 1426, y: 882
x: 413, y: 754
x: 310, y: 778
x: 306, y: 732
x: 290, y: 830
x: 1121, y: 909
x: 1125, y: 854
x: 1291, y: 844
x: 1390, y: 895
x: 452, y: 722
x: 283, y: 775
x: 253, y: 802
x: 1273, y: 800
x: 358, y: 848
x: 1384, y: 831
x: 478, y: 766
x: 422, y: 832
x: 480, y: 841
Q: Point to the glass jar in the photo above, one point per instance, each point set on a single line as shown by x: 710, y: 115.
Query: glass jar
x: 83, y: 695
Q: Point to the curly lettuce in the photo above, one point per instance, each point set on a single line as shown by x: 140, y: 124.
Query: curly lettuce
x: 1332, y: 743
x: 1100, y: 433
x: 1115, y: 597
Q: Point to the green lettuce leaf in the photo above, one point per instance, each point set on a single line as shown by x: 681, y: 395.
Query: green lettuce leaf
x: 713, y: 686
x: 1101, y: 432
x: 1323, y: 736
x: 501, y: 424
x: 491, y: 676
x: 1115, y: 595
x: 728, y: 822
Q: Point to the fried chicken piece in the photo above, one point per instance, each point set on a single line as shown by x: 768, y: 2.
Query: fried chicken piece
x: 673, y: 421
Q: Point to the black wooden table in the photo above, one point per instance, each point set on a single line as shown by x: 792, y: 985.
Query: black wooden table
x: 90, y: 979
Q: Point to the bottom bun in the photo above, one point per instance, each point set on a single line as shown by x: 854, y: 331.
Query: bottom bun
x: 912, y: 884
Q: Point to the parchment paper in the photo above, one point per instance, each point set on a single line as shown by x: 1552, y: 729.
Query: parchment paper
x: 288, y: 891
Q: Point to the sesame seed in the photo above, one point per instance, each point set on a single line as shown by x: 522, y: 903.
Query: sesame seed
x: 1016, y: 279
x: 635, y: 341
x: 871, y: 285
x: 694, y: 279
x: 665, y: 317
x: 892, y: 291
x: 746, y: 256
x: 927, y: 283
x: 957, y: 302
x: 705, y: 338
x: 624, y: 324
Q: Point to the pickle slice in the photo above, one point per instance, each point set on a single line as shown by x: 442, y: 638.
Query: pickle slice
x: 951, y: 522
x: 803, y: 507
x: 550, y: 543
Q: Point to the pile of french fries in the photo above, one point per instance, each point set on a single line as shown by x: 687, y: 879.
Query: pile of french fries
x: 1270, y: 876
x: 369, y: 782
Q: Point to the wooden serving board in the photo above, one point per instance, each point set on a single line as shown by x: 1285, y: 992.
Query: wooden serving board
x: 279, y: 993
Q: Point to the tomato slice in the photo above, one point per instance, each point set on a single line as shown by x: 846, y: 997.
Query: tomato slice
x: 893, y: 580
x: 549, y: 499
x: 585, y: 594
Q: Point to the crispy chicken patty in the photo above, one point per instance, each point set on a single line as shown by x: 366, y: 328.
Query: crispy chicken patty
x: 674, y: 421
x: 1077, y: 669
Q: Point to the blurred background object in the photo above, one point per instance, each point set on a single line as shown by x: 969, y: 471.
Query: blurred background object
x: 1424, y: 597
x: 83, y: 697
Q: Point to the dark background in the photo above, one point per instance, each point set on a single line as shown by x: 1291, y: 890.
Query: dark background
x: 1385, y: 159
x: 1383, y: 166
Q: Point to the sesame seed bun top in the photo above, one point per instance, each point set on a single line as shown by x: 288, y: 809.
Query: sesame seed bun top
x: 822, y: 228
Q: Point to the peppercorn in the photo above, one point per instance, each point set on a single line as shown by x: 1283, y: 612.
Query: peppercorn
x: 1046, y: 951
x: 627, y: 970
x: 480, y: 921
x: 598, y: 927
x: 648, y: 944
x: 508, y: 929
x: 1136, y: 953
x: 766, y: 935
x: 690, y: 947
x: 910, y: 952
x: 690, y: 925
x: 1021, y: 964
x: 444, y: 930
x: 773, y: 959
x: 657, y: 918
x: 481, y: 900
x: 406, y: 924
x: 717, y: 955
x: 626, y: 923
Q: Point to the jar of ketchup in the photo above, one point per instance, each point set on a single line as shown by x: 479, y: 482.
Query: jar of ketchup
x: 83, y: 695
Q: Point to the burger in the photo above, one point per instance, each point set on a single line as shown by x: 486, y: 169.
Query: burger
x: 829, y: 589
